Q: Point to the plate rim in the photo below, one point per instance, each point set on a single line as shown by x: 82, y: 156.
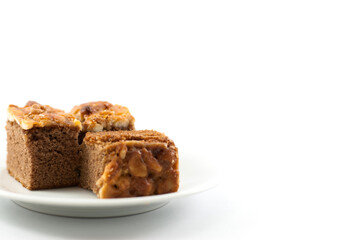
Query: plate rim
x: 113, y: 202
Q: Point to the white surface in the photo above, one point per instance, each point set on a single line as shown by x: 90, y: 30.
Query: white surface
x: 269, y: 89
x: 196, y: 176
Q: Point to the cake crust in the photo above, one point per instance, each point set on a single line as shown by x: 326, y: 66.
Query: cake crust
x: 115, y: 136
x: 34, y: 114
x: 101, y: 115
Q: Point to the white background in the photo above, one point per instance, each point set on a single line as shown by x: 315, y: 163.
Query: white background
x: 266, y: 90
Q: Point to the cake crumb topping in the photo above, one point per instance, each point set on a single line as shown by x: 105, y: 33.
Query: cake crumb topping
x: 34, y: 114
x: 99, y: 116
x: 137, y: 136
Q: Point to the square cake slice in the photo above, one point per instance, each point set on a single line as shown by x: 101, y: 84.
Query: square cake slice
x: 129, y: 164
x: 42, y: 146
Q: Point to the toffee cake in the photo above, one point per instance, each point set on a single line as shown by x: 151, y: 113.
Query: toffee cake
x: 129, y: 164
x: 42, y: 146
x: 46, y: 150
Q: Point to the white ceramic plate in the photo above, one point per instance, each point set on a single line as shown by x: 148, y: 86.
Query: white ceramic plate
x: 195, y: 176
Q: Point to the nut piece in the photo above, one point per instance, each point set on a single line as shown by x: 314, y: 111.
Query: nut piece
x: 111, y: 172
x: 168, y: 158
x: 142, y: 186
x: 136, y: 165
x: 123, y: 152
x: 99, y: 116
x: 118, y: 189
x: 151, y: 162
x: 123, y: 185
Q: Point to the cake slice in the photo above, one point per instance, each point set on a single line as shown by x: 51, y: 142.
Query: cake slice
x: 42, y: 146
x: 129, y: 164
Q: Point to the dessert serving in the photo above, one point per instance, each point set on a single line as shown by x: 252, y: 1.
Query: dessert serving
x: 129, y: 163
x: 42, y: 146
x: 94, y: 146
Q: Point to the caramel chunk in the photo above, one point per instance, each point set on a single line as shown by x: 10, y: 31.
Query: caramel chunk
x: 99, y: 116
x: 34, y: 114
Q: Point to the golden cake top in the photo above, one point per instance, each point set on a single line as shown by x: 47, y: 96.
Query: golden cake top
x: 99, y: 116
x: 34, y: 114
